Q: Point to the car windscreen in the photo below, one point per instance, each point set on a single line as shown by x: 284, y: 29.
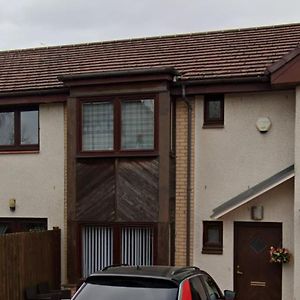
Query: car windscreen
x: 128, y: 288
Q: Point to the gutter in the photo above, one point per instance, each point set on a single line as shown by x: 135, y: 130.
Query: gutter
x: 40, y: 92
x: 109, y: 74
x: 248, y: 79
x: 188, y: 180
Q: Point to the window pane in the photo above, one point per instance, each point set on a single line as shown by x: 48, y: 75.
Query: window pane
x: 30, y: 127
x: 212, y: 288
x: 213, y: 235
x: 137, y: 246
x: 97, y: 126
x: 138, y: 124
x: 7, y: 128
x: 121, y: 288
x: 214, y: 109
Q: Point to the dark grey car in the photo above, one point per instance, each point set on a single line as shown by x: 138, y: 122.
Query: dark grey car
x: 150, y: 283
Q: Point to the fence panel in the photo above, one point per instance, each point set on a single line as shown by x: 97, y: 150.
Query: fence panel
x: 27, y: 259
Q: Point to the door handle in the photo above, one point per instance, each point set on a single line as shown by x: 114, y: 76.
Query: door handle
x: 238, y: 270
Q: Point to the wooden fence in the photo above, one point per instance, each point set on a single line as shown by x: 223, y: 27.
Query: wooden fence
x: 26, y: 259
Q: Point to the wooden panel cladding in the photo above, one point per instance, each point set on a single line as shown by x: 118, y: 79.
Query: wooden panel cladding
x: 117, y: 190
x: 137, y: 193
x: 96, y: 188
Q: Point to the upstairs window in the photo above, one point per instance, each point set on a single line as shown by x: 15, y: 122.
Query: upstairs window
x: 137, y: 122
x: 19, y: 129
x: 214, y: 110
x: 118, y: 125
x: 98, y: 126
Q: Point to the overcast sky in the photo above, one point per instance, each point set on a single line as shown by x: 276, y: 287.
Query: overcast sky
x: 36, y: 23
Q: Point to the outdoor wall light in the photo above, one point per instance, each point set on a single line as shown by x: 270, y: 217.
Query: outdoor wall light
x: 263, y: 125
x: 12, y: 204
x: 257, y: 212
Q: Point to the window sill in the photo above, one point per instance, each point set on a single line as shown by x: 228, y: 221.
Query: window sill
x: 19, y: 152
x: 117, y: 154
x: 209, y: 126
x: 212, y: 251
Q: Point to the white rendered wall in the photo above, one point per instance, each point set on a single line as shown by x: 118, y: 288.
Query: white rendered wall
x: 237, y: 157
x: 36, y: 181
x: 297, y: 198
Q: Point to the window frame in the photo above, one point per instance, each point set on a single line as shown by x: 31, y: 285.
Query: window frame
x: 17, y: 146
x: 117, y: 129
x: 117, y: 232
x: 213, y: 122
x: 212, y: 248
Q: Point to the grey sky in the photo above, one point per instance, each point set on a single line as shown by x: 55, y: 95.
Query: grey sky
x: 35, y: 23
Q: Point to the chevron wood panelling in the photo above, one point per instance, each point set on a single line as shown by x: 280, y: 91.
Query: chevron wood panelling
x: 137, y: 190
x: 96, y: 190
x: 122, y: 190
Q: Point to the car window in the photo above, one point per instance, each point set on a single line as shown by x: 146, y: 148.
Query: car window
x: 128, y: 288
x: 197, y: 289
x: 212, y: 288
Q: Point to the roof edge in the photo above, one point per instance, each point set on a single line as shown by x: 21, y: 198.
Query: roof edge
x: 37, y: 92
x: 283, y: 61
x: 110, y: 74
x: 158, y: 36
x: 253, y: 192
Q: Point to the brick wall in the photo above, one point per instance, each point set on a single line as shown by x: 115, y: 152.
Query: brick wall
x: 181, y: 183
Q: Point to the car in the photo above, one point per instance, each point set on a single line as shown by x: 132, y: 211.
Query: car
x: 151, y: 283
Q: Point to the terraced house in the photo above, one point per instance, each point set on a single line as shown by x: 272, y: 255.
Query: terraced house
x: 166, y: 150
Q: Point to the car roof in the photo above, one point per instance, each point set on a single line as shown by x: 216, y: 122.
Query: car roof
x: 159, y: 272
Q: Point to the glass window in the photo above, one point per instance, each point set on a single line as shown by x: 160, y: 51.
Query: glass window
x: 11, y: 225
x: 19, y: 128
x: 212, y: 237
x: 115, y: 288
x: 29, y: 127
x: 197, y: 289
x: 137, y: 125
x: 118, y: 125
x: 214, y: 292
x: 213, y: 234
x: 97, y: 126
x: 214, y: 110
x: 7, y: 128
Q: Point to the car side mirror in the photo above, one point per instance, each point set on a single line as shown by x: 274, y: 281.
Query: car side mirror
x: 229, y: 295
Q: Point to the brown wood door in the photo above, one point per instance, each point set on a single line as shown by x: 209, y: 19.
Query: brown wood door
x: 254, y: 276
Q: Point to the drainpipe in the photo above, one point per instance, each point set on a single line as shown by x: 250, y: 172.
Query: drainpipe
x: 188, y: 180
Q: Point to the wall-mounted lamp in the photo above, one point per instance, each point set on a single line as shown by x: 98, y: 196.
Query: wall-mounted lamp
x: 12, y: 204
x: 263, y: 124
x: 257, y: 212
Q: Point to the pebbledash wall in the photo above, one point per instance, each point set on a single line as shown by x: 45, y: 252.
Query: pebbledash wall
x: 230, y: 160
x: 36, y: 180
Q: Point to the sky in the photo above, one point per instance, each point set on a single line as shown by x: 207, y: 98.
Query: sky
x: 40, y: 23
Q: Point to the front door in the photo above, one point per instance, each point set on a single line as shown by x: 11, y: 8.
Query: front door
x: 254, y: 276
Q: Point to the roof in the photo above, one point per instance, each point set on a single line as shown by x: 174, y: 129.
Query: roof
x: 208, y: 55
x: 165, y: 272
x: 253, y: 192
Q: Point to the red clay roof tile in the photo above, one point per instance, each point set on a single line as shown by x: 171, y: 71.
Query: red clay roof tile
x: 209, y: 55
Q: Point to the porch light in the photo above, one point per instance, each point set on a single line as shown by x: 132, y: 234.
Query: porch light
x: 12, y: 204
x: 257, y: 212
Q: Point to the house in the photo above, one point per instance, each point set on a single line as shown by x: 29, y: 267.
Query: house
x: 166, y: 150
